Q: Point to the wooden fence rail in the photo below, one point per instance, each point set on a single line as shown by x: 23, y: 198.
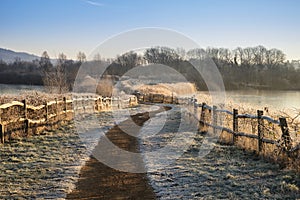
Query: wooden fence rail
x: 209, y: 116
x: 21, y: 119
x: 235, y: 124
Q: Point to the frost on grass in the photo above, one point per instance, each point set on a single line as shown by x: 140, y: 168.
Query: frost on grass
x: 272, y: 131
x: 225, y: 173
x: 44, y: 166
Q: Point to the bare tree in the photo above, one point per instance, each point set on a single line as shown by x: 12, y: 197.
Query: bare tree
x: 259, y: 54
x: 54, y: 78
x: 105, y: 87
x: 238, y: 55
x: 225, y: 55
x: 81, y: 57
x: 162, y: 55
x: 129, y: 59
x: 196, y: 54
x: 60, y: 74
x: 47, y: 71
x: 274, y: 57
x: 248, y: 57
x: 97, y: 57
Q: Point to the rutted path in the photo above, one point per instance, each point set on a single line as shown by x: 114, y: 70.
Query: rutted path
x: 225, y: 173
x: 98, y: 181
x: 47, y: 166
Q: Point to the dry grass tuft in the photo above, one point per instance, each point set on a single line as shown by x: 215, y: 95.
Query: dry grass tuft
x: 105, y: 87
x: 33, y: 97
x: 168, y: 89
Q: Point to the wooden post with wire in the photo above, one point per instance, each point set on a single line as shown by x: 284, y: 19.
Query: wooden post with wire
x: 260, y: 129
x: 235, y: 126
x: 215, y: 119
x: 2, y: 136
x: 2, y: 133
x: 26, y: 121
x: 285, y: 133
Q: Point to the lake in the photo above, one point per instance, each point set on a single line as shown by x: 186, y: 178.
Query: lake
x: 17, y: 89
x: 276, y: 100
x: 261, y: 98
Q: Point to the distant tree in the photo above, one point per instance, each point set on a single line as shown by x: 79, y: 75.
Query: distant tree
x: 238, y: 55
x: 45, y: 63
x: 248, y: 57
x: 225, y: 55
x: 274, y: 57
x: 60, y: 74
x: 47, y: 71
x: 97, y: 57
x: 181, y: 53
x: 197, y: 53
x: 259, y: 54
x: 213, y: 53
x: 54, y: 77
x: 81, y: 57
x: 129, y: 59
x: 161, y: 55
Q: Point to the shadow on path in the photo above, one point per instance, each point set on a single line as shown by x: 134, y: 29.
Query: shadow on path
x: 98, y: 181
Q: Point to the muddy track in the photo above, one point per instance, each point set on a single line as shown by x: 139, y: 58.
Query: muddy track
x: 98, y: 181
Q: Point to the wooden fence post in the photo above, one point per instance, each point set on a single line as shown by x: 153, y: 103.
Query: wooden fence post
x: 65, y: 104
x: 130, y: 101
x: 235, y: 126
x: 26, y: 121
x: 119, y: 102
x: 260, y: 129
x: 195, y: 108
x: 100, y: 104
x: 285, y: 133
x: 94, y: 104
x: 91, y: 103
x: 47, y: 111
x: 2, y: 133
x: 143, y: 98
x: 26, y: 126
x: 1, y: 129
x: 215, y: 119
x: 57, y: 110
x: 25, y: 108
x: 202, y: 115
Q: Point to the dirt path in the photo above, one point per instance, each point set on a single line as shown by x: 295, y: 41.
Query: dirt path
x: 98, y: 181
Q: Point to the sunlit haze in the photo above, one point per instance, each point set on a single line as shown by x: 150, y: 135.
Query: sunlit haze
x: 70, y: 26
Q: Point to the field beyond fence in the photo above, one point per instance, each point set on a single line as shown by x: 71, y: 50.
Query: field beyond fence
x: 19, y: 119
x: 255, y: 132
x: 268, y: 137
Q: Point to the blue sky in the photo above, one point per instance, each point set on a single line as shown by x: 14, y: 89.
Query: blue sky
x: 71, y: 26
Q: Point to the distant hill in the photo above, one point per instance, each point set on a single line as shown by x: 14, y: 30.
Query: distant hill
x: 10, y: 56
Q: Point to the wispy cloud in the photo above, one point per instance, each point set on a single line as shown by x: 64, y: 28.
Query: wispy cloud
x: 94, y: 3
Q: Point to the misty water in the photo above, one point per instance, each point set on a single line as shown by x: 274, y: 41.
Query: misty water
x: 264, y: 98
x: 17, y: 89
x: 276, y: 100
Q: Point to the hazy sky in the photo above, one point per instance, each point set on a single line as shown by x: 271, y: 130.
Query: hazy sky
x: 71, y: 26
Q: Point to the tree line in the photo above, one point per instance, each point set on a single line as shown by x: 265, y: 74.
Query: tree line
x: 58, y: 75
x: 241, y: 68
x: 251, y: 67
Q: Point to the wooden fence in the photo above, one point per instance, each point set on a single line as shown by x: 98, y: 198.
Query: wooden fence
x: 19, y: 119
x: 262, y: 139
